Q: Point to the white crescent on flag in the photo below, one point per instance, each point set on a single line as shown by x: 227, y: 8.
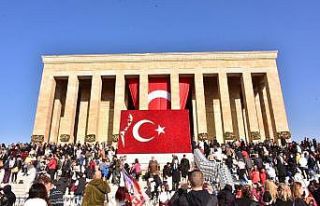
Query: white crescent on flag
x: 159, y: 94
x: 135, y: 131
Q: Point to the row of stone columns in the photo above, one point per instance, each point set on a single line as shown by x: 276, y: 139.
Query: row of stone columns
x: 251, y: 120
x: 254, y: 114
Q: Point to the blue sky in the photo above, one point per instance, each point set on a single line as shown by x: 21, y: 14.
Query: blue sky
x: 29, y: 29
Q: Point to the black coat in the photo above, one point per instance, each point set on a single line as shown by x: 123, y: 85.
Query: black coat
x: 193, y: 198
x: 226, y: 198
x: 201, y: 198
x: 299, y: 202
x: 81, y: 186
x: 167, y: 172
x: 176, y: 176
x: 280, y: 202
x: 184, y: 166
x: 244, y: 201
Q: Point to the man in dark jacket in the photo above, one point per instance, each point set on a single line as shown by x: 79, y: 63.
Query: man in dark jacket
x: 176, y: 176
x: 197, y: 196
x: 225, y: 196
x: 185, y: 166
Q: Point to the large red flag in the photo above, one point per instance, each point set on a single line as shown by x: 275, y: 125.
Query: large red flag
x: 154, y: 131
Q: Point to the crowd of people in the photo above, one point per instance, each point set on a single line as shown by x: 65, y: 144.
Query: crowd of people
x: 264, y: 173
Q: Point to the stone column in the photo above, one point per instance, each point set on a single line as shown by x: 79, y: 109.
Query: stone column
x: 245, y: 125
x: 119, y: 102
x: 260, y: 117
x: 277, y: 103
x: 239, y: 115
x: 67, y: 124
x: 225, y: 103
x: 82, y: 116
x: 200, y: 101
x: 44, y: 108
x: 194, y: 115
x: 94, y: 107
x: 175, y: 95
x: 143, y: 91
x: 217, y: 114
x: 234, y: 112
x: 252, y: 119
x: 56, y: 115
x: 267, y: 113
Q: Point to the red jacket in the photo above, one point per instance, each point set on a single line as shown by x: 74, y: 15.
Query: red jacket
x: 255, y: 176
x: 263, y: 177
x: 52, y: 165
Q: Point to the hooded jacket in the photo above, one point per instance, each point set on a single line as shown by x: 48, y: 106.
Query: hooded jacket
x: 95, y: 192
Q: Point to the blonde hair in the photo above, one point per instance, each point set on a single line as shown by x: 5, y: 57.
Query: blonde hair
x: 272, y: 188
x: 296, y: 190
x: 284, y: 192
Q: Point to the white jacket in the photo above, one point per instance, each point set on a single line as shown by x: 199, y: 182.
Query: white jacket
x: 35, y: 202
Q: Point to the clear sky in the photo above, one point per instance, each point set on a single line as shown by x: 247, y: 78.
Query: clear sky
x: 29, y: 29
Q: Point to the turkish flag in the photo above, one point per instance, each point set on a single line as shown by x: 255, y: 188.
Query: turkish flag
x: 154, y: 131
x: 159, y: 97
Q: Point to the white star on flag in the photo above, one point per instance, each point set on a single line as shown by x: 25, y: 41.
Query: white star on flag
x: 160, y: 130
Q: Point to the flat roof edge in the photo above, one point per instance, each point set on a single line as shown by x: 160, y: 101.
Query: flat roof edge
x: 174, y: 56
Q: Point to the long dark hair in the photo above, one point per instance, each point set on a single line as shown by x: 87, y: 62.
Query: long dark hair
x: 38, y: 190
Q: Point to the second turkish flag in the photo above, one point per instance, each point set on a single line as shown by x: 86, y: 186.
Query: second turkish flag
x: 159, y: 97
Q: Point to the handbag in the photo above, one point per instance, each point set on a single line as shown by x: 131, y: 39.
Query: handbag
x: 15, y: 170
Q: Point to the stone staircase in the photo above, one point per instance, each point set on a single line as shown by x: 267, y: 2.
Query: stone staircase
x: 21, y: 188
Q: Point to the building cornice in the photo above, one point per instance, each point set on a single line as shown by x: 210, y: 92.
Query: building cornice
x: 145, y: 57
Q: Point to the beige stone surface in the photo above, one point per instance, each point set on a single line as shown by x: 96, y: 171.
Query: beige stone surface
x: 277, y: 103
x: 240, y: 120
x: 200, y: 101
x: 68, y: 122
x: 56, y: 114
x: 143, y: 91
x: 44, y: 106
x: 119, y: 103
x: 265, y: 111
x: 245, y: 124
x: 252, y: 120
x: 217, y: 114
x: 95, y: 101
x: 174, y: 87
x: 259, y: 116
x: 225, y: 102
x: 106, y: 111
x: 194, y: 115
x: 209, y: 86
x: 234, y: 95
x: 84, y: 98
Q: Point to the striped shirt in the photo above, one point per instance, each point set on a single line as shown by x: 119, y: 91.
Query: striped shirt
x: 56, y: 197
